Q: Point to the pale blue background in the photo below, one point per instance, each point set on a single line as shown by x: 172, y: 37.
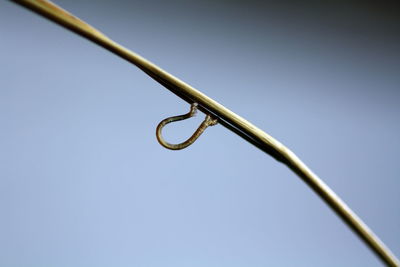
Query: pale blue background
x: 83, y: 181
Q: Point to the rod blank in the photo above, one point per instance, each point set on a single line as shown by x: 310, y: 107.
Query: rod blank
x: 225, y: 117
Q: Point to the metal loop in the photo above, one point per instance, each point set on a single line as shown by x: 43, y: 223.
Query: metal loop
x: 208, y: 121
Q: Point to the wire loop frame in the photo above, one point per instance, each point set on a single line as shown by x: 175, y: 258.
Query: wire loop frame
x: 208, y: 121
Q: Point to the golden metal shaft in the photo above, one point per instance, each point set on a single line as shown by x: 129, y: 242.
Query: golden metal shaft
x: 226, y: 117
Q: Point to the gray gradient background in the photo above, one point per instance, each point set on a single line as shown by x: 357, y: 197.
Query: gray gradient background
x: 83, y: 181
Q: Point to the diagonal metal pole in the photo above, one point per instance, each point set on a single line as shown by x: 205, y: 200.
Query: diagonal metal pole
x: 225, y: 117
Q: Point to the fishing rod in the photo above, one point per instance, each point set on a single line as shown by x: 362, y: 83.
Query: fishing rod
x: 216, y: 113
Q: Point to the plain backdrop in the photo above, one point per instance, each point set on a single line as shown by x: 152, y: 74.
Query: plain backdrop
x: 83, y: 181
